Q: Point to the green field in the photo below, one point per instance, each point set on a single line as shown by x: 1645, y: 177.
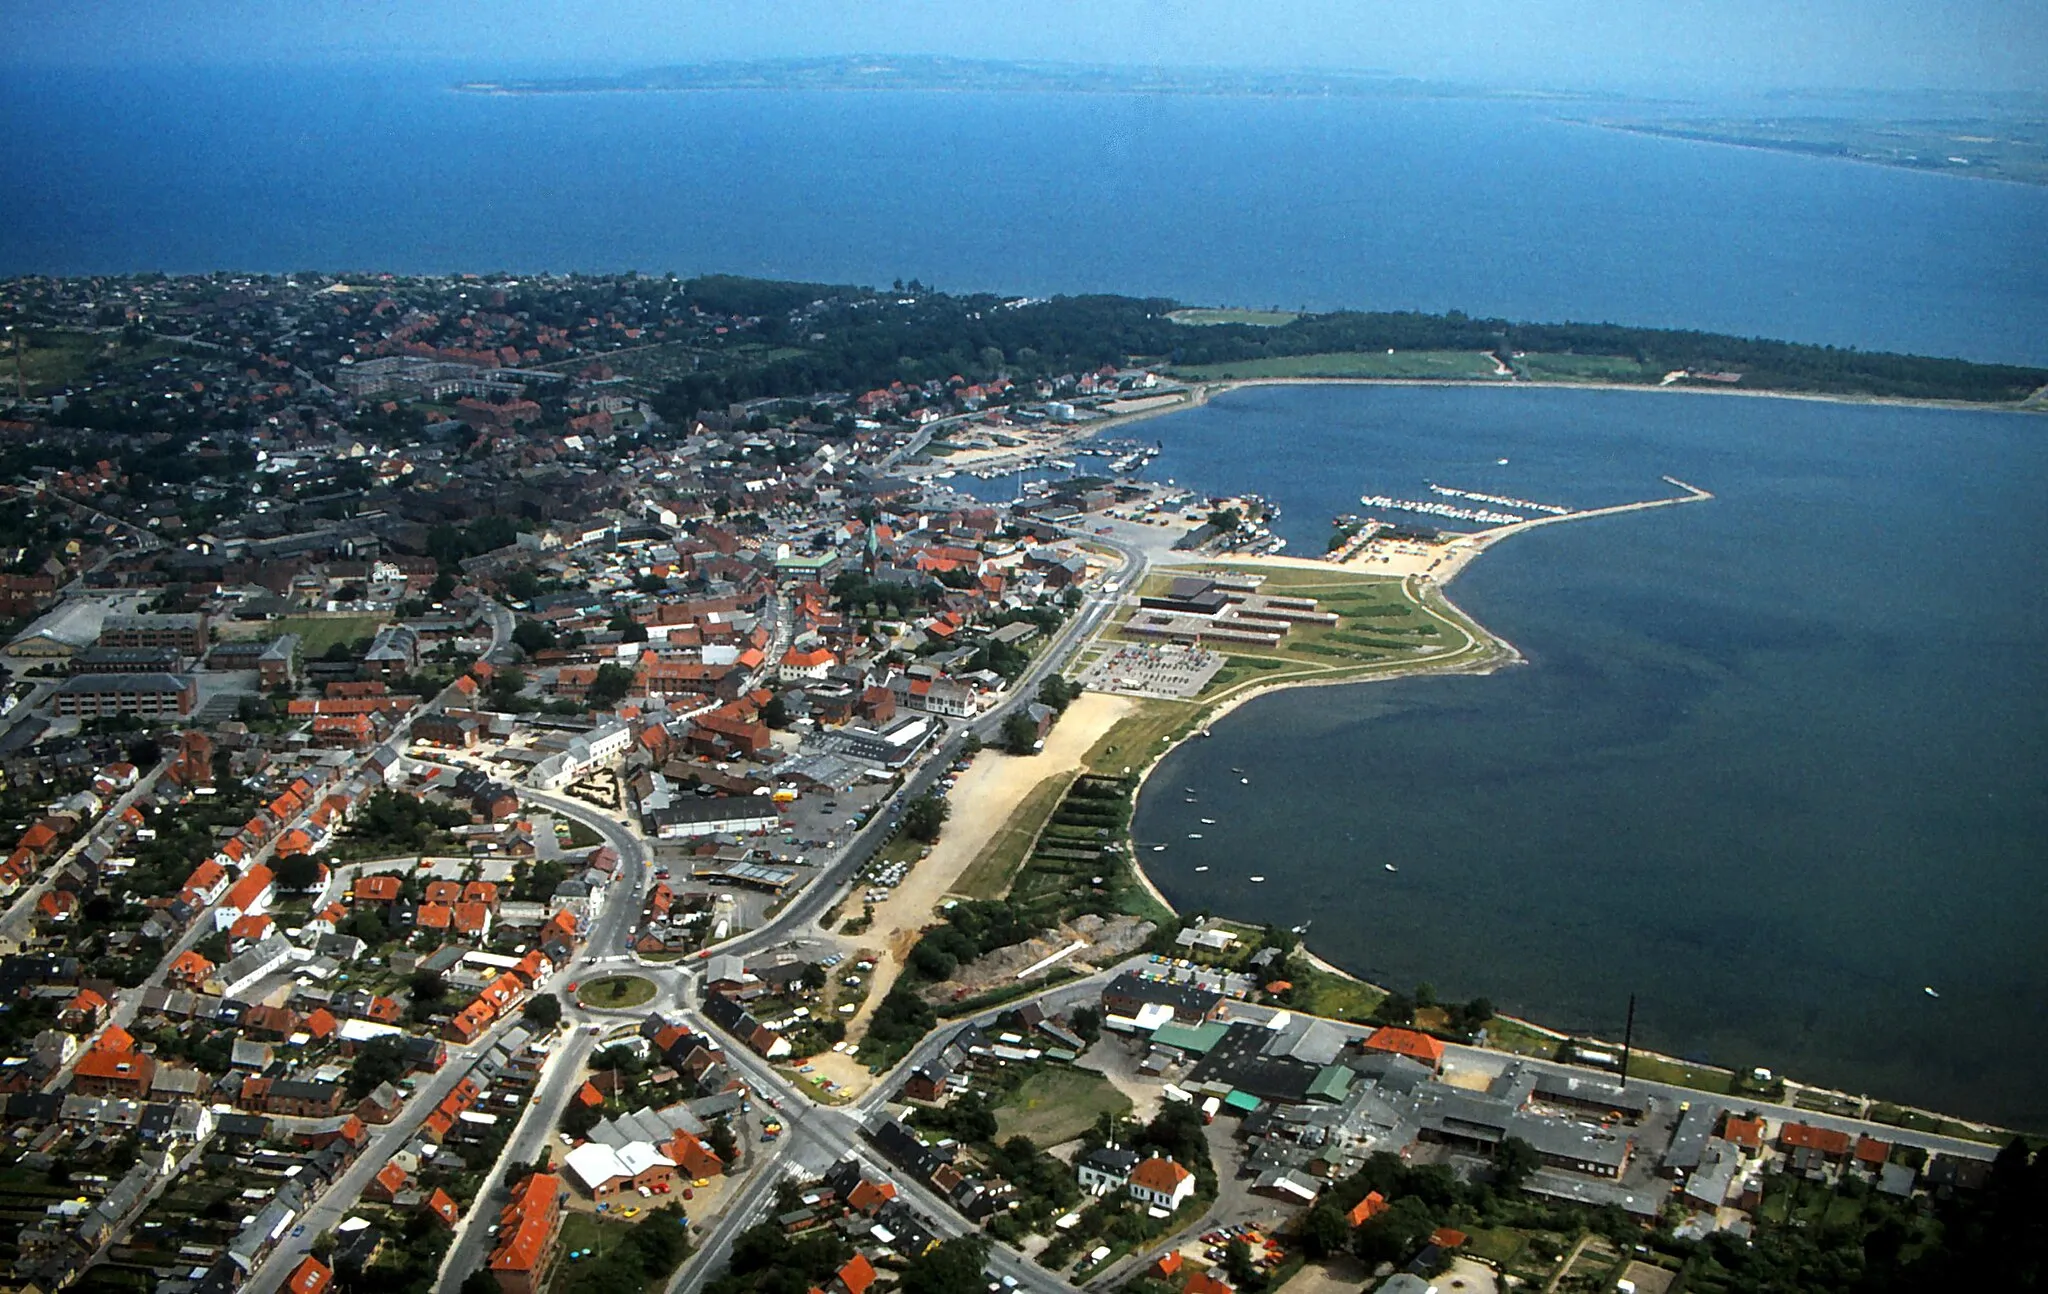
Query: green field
x: 1336, y: 997
x: 1055, y: 1105
x: 53, y: 360
x: 1202, y: 316
x: 1450, y: 364
x: 319, y: 632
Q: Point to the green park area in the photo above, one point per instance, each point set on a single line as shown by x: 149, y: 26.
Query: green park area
x: 1205, y: 316
x: 1057, y: 1104
x: 52, y: 360
x: 616, y: 992
x: 316, y: 632
x: 1456, y: 365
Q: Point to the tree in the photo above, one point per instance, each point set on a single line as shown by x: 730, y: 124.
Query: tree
x: 544, y: 1009
x: 1057, y: 691
x: 609, y: 687
x: 380, y: 1060
x: 532, y: 636
x: 298, y: 872
x: 1513, y: 1161
x: 718, y: 1139
x: 776, y: 713
x: 953, y: 1267
x: 926, y: 817
x: 427, y: 986
x: 1226, y: 519
x: 1020, y: 734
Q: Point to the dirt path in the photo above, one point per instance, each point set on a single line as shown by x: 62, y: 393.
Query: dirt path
x: 983, y: 800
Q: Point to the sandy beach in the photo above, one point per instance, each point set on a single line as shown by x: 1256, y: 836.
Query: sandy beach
x: 983, y: 800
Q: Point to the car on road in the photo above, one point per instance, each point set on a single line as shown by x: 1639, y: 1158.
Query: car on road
x: 298, y: 1231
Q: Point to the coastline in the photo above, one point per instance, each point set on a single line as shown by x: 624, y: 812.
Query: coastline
x: 1500, y: 653
x: 2036, y: 404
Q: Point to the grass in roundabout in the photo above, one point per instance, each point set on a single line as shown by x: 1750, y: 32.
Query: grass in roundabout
x: 616, y: 992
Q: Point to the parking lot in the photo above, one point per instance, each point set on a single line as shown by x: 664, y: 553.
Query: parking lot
x: 1166, y: 670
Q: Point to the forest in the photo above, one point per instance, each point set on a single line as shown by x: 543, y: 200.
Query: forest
x: 804, y: 338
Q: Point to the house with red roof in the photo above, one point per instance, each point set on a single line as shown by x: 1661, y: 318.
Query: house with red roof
x: 388, y: 1183
x: 1415, y: 1046
x: 246, y: 897
x: 855, y: 1277
x: 1367, y: 1209
x: 381, y: 889
x: 311, y: 1276
x: 86, y: 1010
x: 1161, y: 1183
x: 527, y: 1231
x: 189, y: 971
x: 1204, y: 1283
x: 110, y: 1072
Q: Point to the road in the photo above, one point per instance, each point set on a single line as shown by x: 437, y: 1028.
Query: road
x: 19, y: 920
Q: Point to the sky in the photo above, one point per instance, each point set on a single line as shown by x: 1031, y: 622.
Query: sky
x: 1631, y: 45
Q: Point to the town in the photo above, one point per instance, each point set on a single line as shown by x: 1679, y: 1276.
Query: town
x: 478, y: 751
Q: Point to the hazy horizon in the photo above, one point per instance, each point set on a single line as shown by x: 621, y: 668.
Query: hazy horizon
x: 1695, y: 47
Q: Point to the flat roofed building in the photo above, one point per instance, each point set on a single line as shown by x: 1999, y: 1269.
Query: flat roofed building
x: 93, y: 696
x: 185, y: 632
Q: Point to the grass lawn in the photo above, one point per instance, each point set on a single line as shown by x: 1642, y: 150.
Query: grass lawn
x: 1513, y: 1036
x: 1201, y: 316
x: 1134, y: 739
x: 990, y: 874
x: 55, y: 359
x: 616, y: 992
x: 1453, y: 364
x: 1702, y: 1078
x: 1499, y: 1246
x: 318, y: 633
x: 1586, y: 368
x: 1318, y: 992
x: 1882, y: 1112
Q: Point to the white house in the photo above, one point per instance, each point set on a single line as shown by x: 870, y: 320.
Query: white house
x: 1161, y: 1183
x: 1104, y: 1170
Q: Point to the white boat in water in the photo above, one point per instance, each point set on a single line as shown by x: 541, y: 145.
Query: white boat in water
x: 1203, y: 868
x: 1392, y: 868
x: 1208, y: 822
x: 1246, y: 781
x: 1257, y: 879
x: 1929, y: 991
x: 1157, y: 848
x: 1194, y: 835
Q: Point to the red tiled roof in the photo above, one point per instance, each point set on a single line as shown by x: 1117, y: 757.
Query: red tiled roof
x: 310, y: 1277
x: 1162, y: 1175
x: 1407, y: 1042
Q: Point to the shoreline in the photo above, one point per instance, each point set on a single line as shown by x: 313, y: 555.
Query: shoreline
x: 1501, y: 653
x: 1222, y: 385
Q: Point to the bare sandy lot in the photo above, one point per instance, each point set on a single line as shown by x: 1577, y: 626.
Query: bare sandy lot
x: 983, y: 799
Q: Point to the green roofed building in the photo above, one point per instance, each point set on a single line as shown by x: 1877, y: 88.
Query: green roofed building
x: 1196, y: 1040
x: 1330, y: 1084
x: 1241, y: 1101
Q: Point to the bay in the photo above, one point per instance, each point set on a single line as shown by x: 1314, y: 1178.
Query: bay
x: 1775, y: 762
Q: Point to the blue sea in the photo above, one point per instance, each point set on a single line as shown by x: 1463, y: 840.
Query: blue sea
x: 1495, y: 208
x: 1775, y: 762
